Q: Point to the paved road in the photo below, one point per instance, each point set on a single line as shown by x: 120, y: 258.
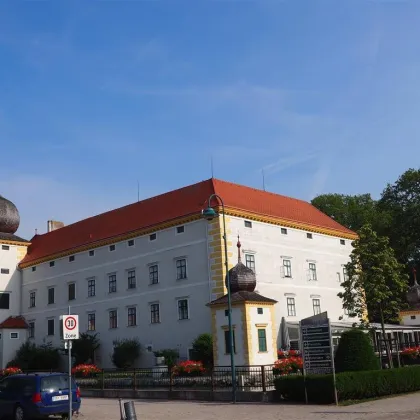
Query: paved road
x: 402, y: 408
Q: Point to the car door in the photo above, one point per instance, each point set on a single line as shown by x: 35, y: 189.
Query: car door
x: 6, y: 402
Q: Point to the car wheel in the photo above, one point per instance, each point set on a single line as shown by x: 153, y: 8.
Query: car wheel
x: 19, y: 413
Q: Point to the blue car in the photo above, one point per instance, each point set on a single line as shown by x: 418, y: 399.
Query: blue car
x: 37, y: 396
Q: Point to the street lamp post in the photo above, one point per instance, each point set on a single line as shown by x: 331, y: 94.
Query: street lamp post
x: 209, y: 213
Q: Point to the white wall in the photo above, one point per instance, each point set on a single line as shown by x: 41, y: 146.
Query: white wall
x: 170, y: 333
x: 9, y: 345
x: 270, y: 247
x: 11, y: 282
x: 407, y: 319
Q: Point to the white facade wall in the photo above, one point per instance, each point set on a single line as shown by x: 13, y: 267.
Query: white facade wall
x: 10, y: 341
x: 10, y: 282
x: 164, y: 251
x: 411, y: 319
x: 270, y: 247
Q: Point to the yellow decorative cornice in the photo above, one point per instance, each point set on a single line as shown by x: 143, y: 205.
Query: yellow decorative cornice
x: 16, y: 243
x: 410, y: 312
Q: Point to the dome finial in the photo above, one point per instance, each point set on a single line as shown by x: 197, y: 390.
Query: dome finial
x: 239, y: 250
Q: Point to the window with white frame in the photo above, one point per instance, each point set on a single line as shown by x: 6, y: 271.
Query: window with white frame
x: 51, y: 295
x: 183, y: 309
x: 50, y: 327
x: 130, y: 242
x: 14, y: 335
x: 153, y: 274
x: 91, y: 287
x: 32, y: 299
x: 180, y: 229
x: 291, y: 306
x: 131, y: 278
x: 316, y: 305
x: 152, y: 237
x: 312, y: 271
x: 112, y: 283
x: 31, y: 329
x: 91, y: 321
x: 287, y: 268
x: 248, y: 224
x: 4, y: 271
x: 132, y: 316
x: 92, y: 253
x: 283, y: 231
x: 250, y: 261
x: 113, y: 319
x: 4, y: 300
x: 72, y: 291
x: 112, y: 248
x: 345, y: 274
x: 155, y: 313
x: 181, y: 269
x: 5, y: 247
x: 338, y: 277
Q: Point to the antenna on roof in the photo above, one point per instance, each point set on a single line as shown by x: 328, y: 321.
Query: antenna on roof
x: 211, y: 165
x: 138, y: 191
x: 263, y: 178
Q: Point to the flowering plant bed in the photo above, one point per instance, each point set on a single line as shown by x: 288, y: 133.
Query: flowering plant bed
x: 188, y: 368
x: 285, y: 354
x: 10, y: 371
x: 85, y: 370
x: 287, y: 366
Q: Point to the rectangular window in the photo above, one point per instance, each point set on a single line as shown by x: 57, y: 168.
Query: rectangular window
x: 72, y: 291
x: 4, y: 271
x: 250, y: 261
x: 248, y: 224
x: 181, y: 269
x: 287, y: 266
x: 50, y: 327
x: 262, y: 340
x: 131, y: 277
x: 180, y: 229
x: 112, y: 280
x: 91, y: 322
x: 91, y: 287
x: 309, y: 235
x: 51, y: 295
x: 345, y: 274
x: 227, y: 342
x: 316, y: 304
x: 154, y: 313
x: 112, y: 248
x: 153, y: 274
x: 91, y: 253
x: 291, y: 307
x: 52, y: 263
x: 183, y: 309
x: 34, y: 268
x: 71, y: 258
x: 14, y: 335
x: 5, y: 247
x: 4, y: 300
x: 260, y: 311
x: 132, y: 317
x: 113, y: 319
x: 130, y: 242
x: 283, y: 231
x: 31, y: 329
x: 342, y: 242
x: 312, y: 272
x: 226, y: 312
x: 32, y: 299
x: 338, y: 277
x: 152, y: 237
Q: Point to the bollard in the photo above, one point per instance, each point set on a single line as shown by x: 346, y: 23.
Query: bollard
x: 121, y: 409
x: 130, y: 411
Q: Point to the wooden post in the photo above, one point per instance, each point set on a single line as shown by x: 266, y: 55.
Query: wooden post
x: 264, y: 385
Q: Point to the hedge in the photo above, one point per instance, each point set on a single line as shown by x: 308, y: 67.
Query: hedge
x: 350, y: 385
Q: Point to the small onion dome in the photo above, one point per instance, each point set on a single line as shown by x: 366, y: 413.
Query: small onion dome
x: 413, y: 294
x: 9, y: 216
x: 241, y: 277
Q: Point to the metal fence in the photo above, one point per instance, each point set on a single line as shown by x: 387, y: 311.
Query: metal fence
x: 248, y: 378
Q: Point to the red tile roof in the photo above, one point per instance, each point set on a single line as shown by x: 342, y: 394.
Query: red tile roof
x: 173, y: 205
x: 14, y: 323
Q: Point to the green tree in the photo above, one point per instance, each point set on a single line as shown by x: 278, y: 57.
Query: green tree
x: 203, y: 349
x: 355, y: 352
x: 351, y: 211
x: 126, y: 352
x: 401, y: 204
x: 376, y: 281
x: 84, y: 348
x: 32, y: 357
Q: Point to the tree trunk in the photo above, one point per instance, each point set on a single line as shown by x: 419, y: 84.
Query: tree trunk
x: 388, y: 352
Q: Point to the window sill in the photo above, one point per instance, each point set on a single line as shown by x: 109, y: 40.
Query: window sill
x: 131, y: 288
x: 184, y: 319
x: 183, y: 278
x: 155, y: 323
x: 263, y: 352
x: 112, y: 293
x: 153, y: 284
x: 132, y: 326
x: 90, y: 297
x: 111, y: 329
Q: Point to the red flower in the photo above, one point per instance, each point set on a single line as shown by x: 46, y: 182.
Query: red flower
x: 189, y: 366
x: 85, y: 370
x: 10, y: 371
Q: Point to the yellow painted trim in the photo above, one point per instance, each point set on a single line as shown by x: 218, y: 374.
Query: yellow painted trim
x: 261, y: 325
x: 247, y: 303
x: 273, y: 332
x: 247, y: 332
x: 16, y: 243
x: 214, y: 334
x: 410, y: 312
x: 113, y: 240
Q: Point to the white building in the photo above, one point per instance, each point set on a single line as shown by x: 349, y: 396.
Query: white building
x: 149, y: 269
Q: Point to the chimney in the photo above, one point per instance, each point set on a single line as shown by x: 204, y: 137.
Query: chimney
x: 54, y: 225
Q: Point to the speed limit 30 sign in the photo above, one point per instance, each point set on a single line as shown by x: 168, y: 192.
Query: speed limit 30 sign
x: 70, y: 327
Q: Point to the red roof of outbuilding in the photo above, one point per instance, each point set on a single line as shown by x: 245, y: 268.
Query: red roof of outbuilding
x: 176, y: 204
x: 14, y: 323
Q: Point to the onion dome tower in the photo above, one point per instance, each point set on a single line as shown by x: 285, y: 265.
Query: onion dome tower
x: 413, y: 294
x: 9, y: 216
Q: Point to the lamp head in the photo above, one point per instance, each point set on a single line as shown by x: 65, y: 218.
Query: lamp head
x: 209, y: 213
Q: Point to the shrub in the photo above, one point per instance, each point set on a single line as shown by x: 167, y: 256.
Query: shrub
x: 84, y: 348
x: 85, y: 370
x: 203, y: 349
x: 188, y: 368
x: 355, y: 352
x: 126, y: 352
x: 32, y: 357
x: 350, y: 385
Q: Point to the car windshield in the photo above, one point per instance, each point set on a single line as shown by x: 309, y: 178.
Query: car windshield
x: 55, y: 383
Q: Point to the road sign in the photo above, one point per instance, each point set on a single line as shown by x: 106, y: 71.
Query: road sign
x: 70, y: 327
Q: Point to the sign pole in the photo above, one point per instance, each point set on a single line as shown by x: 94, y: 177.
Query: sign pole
x: 69, y: 343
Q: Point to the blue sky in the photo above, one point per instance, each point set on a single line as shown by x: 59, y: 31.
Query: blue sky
x: 95, y: 95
